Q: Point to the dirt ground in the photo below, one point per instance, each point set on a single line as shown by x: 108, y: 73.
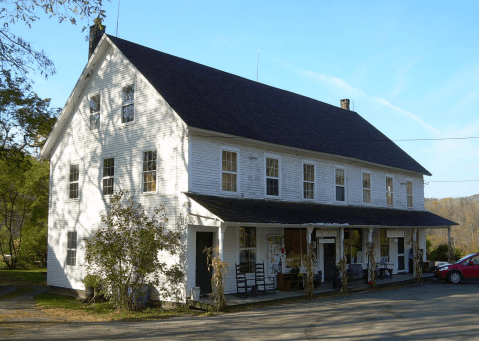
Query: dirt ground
x: 431, y: 311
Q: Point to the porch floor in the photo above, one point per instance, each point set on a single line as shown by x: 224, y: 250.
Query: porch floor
x: 324, y: 288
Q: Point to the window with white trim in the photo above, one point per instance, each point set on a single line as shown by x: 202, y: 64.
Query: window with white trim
x: 384, y: 245
x: 247, y: 248
x: 389, y: 191
x: 272, y: 176
x: 95, y: 112
x: 128, y: 106
x: 340, y: 185
x: 308, y: 181
x: 228, y: 171
x: 108, y: 175
x: 149, y: 171
x: 72, y: 248
x: 409, y: 194
x: 74, y: 189
x: 366, y: 188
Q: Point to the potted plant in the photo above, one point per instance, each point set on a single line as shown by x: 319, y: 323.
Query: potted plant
x: 92, y: 285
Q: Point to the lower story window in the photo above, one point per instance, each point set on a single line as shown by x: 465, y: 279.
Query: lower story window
x: 247, y: 249
x: 72, y: 249
x: 384, y: 245
x: 353, y: 245
x: 296, y: 247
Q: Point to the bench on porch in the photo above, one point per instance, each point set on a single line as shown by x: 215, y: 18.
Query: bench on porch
x: 355, y: 270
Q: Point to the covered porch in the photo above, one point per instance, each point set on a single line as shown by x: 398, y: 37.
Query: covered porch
x: 280, y: 234
x: 324, y: 289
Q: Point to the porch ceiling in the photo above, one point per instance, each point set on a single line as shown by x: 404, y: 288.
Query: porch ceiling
x: 281, y: 212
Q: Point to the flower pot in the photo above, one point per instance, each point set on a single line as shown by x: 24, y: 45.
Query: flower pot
x: 89, y: 292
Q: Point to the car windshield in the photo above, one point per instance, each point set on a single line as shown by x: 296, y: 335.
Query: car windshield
x: 464, y: 258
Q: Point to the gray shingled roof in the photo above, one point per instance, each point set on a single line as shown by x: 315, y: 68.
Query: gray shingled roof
x: 282, y: 212
x: 218, y: 101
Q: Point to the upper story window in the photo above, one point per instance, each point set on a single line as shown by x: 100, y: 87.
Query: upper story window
x: 108, y: 175
x: 340, y: 185
x: 366, y: 188
x: 72, y: 248
x: 272, y: 176
x: 94, y: 112
x: 74, y: 190
x: 128, y: 107
x: 149, y: 171
x: 389, y: 191
x: 228, y: 171
x: 409, y: 194
x: 308, y: 181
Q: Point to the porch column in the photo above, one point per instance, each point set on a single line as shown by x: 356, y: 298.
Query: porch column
x: 310, y: 231
x: 341, y: 243
x: 414, y: 241
x: 221, y: 237
x: 370, y: 241
x: 450, y: 251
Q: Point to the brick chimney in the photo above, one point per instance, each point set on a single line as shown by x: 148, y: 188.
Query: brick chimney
x: 96, y: 32
x: 345, y: 104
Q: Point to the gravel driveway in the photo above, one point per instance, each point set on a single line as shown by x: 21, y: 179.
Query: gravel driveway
x: 431, y: 311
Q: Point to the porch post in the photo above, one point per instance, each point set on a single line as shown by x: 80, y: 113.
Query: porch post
x: 310, y: 231
x: 221, y: 237
x: 414, y: 241
x: 341, y: 243
x: 370, y: 240
x: 450, y: 251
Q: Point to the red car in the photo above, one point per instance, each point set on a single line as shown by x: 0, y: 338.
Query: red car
x: 465, y: 268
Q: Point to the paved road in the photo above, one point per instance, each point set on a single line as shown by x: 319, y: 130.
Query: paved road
x: 432, y: 311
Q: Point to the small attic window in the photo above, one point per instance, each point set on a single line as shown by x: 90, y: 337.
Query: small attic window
x: 128, y: 107
x: 94, y: 112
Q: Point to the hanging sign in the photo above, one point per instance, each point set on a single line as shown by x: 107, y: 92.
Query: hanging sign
x: 326, y: 241
x: 326, y: 233
x: 395, y: 234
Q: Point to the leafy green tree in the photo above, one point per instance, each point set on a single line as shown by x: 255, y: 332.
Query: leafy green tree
x: 20, y: 56
x: 23, y: 210
x: 25, y: 119
x: 124, y: 252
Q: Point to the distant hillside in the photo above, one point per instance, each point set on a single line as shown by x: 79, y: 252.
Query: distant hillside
x: 474, y: 197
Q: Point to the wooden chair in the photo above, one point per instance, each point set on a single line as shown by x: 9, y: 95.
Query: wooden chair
x: 242, y: 287
x: 264, y: 283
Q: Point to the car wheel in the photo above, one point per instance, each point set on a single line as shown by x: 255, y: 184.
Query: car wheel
x: 454, y: 277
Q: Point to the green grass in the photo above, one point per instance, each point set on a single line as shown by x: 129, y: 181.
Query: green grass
x: 26, y: 276
x: 106, y: 310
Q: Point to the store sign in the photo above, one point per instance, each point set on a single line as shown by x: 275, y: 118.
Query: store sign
x: 395, y: 234
x: 326, y: 241
x: 326, y: 233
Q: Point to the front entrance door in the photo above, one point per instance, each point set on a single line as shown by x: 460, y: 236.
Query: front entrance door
x: 203, y: 277
x: 401, y: 256
x: 329, y: 260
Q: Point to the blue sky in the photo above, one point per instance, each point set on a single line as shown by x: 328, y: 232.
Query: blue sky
x: 411, y: 68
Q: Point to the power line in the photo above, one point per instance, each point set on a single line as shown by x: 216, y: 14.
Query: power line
x: 452, y: 181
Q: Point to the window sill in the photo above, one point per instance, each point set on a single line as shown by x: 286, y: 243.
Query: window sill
x: 123, y: 125
x: 73, y: 200
x: 149, y: 194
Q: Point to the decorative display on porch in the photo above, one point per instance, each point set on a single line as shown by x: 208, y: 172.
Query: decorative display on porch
x: 344, y: 275
x: 275, y: 248
x: 371, y: 254
x: 218, y: 270
x: 417, y: 262
x: 309, y: 281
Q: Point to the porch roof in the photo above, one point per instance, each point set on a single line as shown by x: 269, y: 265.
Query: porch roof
x: 240, y: 210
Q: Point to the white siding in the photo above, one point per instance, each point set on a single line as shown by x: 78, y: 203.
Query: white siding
x: 155, y: 127
x: 205, y: 176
